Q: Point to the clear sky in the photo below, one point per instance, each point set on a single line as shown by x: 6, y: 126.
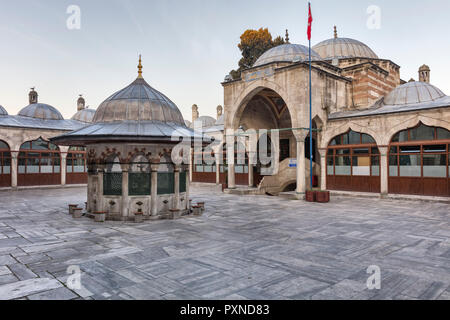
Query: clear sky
x: 188, y: 46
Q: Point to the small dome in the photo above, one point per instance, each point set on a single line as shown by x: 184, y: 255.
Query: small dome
x: 138, y: 102
x: 85, y: 115
x: 3, y: 111
x: 286, y: 53
x: 206, y: 121
x: 343, y: 48
x: 41, y: 111
x: 220, y: 121
x: 413, y: 93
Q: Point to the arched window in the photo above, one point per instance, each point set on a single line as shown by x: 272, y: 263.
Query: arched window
x: 139, y: 177
x: 112, y: 177
x: 166, y: 176
x: 76, y: 160
x: 353, y: 163
x: 419, y: 161
x: 76, y: 165
x: 5, y: 165
x: 39, y: 157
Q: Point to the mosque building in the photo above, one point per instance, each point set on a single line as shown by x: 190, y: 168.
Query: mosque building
x: 373, y: 131
x: 27, y: 158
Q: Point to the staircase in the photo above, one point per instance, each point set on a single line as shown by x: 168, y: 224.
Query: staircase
x: 285, y: 177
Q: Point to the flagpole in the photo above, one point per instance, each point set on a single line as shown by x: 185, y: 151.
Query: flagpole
x: 310, y: 115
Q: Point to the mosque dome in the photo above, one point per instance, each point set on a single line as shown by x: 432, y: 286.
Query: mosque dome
x: 286, y: 53
x: 85, y: 115
x: 206, y: 121
x: 3, y: 111
x: 339, y: 48
x: 138, y: 102
x: 41, y: 111
x: 413, y: 93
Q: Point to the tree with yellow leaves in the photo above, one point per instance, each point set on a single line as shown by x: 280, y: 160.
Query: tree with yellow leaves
x: 253, y: 44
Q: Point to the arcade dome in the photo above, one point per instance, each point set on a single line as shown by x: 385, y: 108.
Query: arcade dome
x: 413, y: 93
x: 286, y: 53
x: 41, y: 111
x: 85, y: 115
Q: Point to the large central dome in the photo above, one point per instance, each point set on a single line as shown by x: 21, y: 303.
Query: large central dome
x: 286, y: 53
x: 339, y: 48
x: 138, y: 102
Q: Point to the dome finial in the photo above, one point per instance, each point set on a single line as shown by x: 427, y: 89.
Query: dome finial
x: 335, y: 32
x: 140, y: 68
x: 287, y: 36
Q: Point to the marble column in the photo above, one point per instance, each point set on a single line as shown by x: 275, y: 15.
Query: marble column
x: 301, y: 170
x: 154, y: 187
x: 125, y: 198
x: 231, y: 176
x: 14, y: 168
x: 230, y: 139
x: 177, y: 187
x: 384, y: 171
x: 186, y: 200
x: 323, y: 169
x: 63, y: 168
x: 250, y: 176
x: 99, y: 204
x: 217, y: 168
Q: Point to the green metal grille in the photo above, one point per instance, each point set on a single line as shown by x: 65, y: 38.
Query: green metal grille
x: 112, y: 184
x: 166, y: 183
x: 139, y: 184
x: 183, y: 182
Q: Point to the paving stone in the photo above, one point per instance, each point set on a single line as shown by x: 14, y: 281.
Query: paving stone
x: 25, y: 288
x: 249, y: 247
x: 57, y: 294
x: 22, y: 272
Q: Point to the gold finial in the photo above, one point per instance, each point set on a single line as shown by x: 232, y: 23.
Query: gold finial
x: 287, y: 36
x: 140, y: 67
x: 335, y: 32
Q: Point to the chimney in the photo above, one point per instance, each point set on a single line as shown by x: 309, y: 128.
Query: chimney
x: 219, y: 111
x: 33, y: 96
x: 81, y: 103
x: 195, y: 114
x: 424, y: 74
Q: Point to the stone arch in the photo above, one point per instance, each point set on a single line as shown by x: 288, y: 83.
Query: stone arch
x: 251, y: 91
x: 330, y: 134
x: 413, y: 122
x: 287, y: 184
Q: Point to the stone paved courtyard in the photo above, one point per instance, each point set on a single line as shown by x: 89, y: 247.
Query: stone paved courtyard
x: 241, y: 248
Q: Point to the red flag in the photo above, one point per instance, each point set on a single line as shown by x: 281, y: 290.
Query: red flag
x: 310, y: 20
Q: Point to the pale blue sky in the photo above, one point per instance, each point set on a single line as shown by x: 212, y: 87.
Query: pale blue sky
x: 188, y: 46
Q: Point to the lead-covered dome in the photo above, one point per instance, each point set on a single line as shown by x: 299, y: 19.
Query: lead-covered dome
x: 3, y: 111
x: 339, y: 48
x: 206, y: 121
x: 138, y: 102
x: 41, y: 111
x: 413, y: 93
x: 85, y: 115
x: 286, y: 53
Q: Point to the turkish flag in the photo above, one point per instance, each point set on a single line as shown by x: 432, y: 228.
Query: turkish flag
x: 310, y: 20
